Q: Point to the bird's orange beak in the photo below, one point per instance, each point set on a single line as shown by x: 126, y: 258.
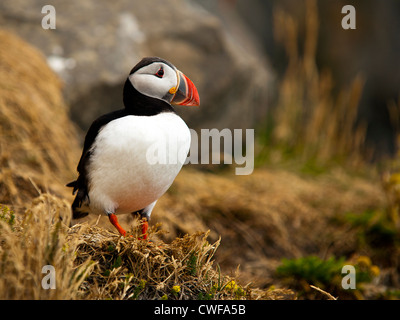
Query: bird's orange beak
x: 186, y: 93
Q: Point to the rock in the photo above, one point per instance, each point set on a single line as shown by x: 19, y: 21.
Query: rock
x: 96, y: 43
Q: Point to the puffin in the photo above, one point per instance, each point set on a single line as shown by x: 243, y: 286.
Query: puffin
x: 131, y: 156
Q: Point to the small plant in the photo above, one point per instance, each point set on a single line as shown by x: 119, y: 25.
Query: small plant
x: 234, y: 289
x: 374, y: 228
x: 210, y: 295
x: 7, y: 215
x: 138, y: 288
x: 192, y: 263
x: 175, y: 290
x: 311, y: 269
x: 327, y: 274
x: 365, y: 270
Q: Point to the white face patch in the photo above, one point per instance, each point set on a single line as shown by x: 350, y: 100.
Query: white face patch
x: 148, y: 81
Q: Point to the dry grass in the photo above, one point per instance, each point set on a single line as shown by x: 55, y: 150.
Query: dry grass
x: 263, y: 217
x: 37, y: 239
x: 266, y: 216
x: 38, y: 146
x: 93, y: 263
x: 127, y: 268
x: 311, y: 122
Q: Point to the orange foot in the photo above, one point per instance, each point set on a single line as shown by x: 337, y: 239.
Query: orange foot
x: 114, y: 220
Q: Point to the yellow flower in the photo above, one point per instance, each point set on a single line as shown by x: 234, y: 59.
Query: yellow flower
x: 395, y: 178
x: 231, y: 285
x: 176, y: 289
x: 375, y: 270
x: 364, y: 261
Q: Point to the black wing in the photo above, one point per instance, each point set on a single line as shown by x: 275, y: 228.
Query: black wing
x: 80, y: 185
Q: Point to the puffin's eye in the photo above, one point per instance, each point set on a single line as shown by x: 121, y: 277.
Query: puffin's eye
x: 160, y: 73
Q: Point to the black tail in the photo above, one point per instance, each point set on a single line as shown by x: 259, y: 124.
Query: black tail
x: 73, y: 184
x: 81, y: 201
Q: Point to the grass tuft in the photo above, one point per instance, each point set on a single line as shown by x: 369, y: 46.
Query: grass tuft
x: 91, y: 262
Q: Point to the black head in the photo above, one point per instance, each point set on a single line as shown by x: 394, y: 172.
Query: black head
x: 154, y: 84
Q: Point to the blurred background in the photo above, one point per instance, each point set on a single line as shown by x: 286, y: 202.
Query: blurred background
x: 324, y: 103
x: 236, y: 51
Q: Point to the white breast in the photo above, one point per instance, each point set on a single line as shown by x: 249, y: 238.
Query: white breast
x: 135, y: 160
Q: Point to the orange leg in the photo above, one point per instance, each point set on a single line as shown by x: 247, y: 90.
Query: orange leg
x: 114, y: 221
x: 145, y: 227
